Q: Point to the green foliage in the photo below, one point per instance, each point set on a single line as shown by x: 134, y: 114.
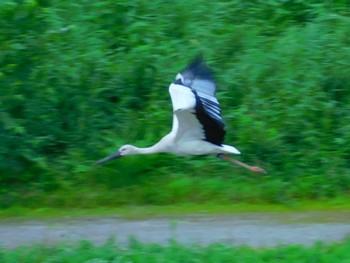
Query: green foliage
x: 174, y: 252
x: 78, y: 79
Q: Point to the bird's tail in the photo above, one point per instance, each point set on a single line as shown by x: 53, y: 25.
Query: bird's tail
x: 229, y: 149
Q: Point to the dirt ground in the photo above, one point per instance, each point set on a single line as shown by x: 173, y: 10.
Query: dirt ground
x: 253, y: 229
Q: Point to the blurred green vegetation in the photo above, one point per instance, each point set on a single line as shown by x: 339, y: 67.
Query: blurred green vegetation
x: 78, y: 79
x: 175, y: 252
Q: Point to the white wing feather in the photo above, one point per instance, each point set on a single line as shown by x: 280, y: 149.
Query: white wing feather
x: 185, y: 124
x: 182, y: 97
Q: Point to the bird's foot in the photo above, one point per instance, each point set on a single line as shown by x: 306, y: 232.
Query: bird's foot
x: 257, y: 169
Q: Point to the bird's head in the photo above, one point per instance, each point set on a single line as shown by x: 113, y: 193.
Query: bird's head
x: 123, y: 151
x: 127, y: 150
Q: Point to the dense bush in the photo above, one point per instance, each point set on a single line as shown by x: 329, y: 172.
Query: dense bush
x: 80, y: 78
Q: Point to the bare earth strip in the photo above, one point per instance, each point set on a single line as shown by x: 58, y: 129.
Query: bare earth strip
x: 253, y: 229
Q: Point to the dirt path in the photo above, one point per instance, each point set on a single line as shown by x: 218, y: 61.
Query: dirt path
x: 254, y: 229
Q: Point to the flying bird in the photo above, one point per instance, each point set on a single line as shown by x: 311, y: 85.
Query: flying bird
x: 198, y: 128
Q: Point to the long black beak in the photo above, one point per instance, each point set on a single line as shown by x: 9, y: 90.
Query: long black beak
x: 108, y: 158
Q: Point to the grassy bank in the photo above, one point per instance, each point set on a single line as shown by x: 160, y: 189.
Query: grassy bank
x: 137, y: 252
x: 171, y: 210
x: 146, y: 182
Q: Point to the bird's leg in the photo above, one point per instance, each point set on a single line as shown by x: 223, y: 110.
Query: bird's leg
x: 255, y: 169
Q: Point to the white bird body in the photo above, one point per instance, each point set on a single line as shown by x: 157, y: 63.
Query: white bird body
x: 197, y: 125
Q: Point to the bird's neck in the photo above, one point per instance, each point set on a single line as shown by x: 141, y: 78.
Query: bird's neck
x: 160, y: 147
x: 149, y: 150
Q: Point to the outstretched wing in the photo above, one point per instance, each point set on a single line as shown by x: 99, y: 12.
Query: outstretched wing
x: 196, y: 110
x: 198, y: 77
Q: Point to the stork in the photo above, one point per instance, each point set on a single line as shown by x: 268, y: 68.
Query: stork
x: 198, y: 128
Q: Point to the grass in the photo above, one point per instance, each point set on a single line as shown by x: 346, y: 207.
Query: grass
x: 172, y: 210
x: 174, y: 252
